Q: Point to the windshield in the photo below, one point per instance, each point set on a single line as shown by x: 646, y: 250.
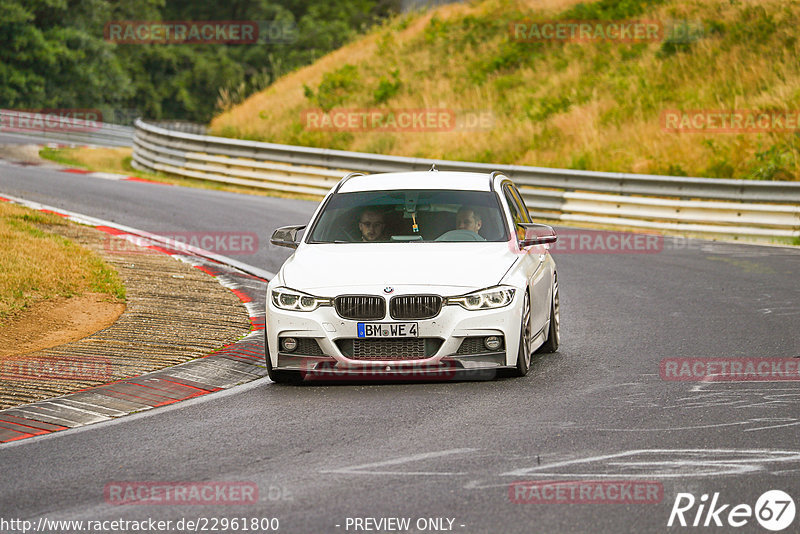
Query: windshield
x: 410, y: 216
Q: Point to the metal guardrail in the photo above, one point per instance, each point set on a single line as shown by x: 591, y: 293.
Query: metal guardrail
x: 181, y: 126
x: 64, y: 130
x: 715, y: 207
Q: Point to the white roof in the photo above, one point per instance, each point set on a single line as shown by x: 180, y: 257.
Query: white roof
x: 466, y: 181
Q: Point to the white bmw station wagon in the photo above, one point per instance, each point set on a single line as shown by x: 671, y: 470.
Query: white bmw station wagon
x: 413, y: 275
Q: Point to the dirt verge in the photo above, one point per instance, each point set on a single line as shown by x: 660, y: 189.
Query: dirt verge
x: 57, y: 321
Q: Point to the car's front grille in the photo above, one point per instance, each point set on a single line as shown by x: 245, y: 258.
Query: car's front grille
x: 308, y: 346
x: 415, y: 306
x: 389, y: 349
x: 360, y: 307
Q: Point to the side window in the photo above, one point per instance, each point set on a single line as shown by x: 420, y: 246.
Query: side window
x: 513, y: 205
x: 526, y: 217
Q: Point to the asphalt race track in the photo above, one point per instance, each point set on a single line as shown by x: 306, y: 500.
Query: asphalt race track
x: 443, y: 455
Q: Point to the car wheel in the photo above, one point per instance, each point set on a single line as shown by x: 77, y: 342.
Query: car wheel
x: 276, y: 375
x: 554, y: 332
x: 524, y: 352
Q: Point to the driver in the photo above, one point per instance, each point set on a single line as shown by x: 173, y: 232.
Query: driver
x: 371, y: 223
x: 468, y: 218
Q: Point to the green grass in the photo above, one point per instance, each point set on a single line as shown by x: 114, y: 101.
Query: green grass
x: 584, y: 105
x: 37, y: 264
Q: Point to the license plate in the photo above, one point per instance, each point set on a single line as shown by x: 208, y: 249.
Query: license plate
x: 373, y: 330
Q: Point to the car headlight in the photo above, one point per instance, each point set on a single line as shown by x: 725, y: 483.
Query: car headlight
x: 288, y: 299
x: 485, y: 299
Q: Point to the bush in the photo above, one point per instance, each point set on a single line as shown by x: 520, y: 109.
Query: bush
x: 542, y: 108
x: 610, y: 9
x: 774, y: 163
x: 334, y: 87
x: 511, y: 56
x: 755, y: 26
x: 386, y: 88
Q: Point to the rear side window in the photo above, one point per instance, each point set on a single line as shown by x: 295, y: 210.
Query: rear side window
x: 526, y: 217
x: 513, y: 205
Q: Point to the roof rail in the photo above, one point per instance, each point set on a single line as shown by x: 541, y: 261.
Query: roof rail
x: 343, y: 180
x: 492, y: 177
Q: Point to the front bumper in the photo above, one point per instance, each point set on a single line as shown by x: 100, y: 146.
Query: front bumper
x: 325, y: 369
x: 450, y: 328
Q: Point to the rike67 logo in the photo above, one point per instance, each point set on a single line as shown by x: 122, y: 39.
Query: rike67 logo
x: 774, y: 510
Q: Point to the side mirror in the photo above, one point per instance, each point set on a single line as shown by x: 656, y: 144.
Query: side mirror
x: 530, y: 234
x: 286, y: 236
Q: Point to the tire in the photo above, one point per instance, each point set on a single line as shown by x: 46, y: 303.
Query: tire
x: 554, y: 332
x: 276, y: 375
x: 524, y: 351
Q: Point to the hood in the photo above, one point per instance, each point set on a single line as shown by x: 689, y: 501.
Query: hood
x: 466, y: 265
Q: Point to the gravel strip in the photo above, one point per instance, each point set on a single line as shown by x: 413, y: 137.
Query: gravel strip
x: 174, y: 313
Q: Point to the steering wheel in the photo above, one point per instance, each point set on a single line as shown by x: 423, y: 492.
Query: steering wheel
x: 352, y: 235
x: 460, y: 235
